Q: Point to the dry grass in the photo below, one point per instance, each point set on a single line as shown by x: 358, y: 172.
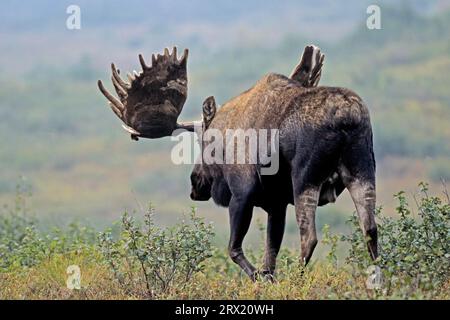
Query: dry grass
x: 220, y: 280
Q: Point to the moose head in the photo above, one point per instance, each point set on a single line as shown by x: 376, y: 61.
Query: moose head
x: 201, y: 182
x: 150, y: 102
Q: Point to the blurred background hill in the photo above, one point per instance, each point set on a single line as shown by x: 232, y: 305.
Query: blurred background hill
x: 58, y: 133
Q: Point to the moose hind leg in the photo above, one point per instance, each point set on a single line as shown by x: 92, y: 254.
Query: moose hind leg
x: 240, y: 217
x: 364, y: 198
x: 357, y: 171
x: 305, y: 213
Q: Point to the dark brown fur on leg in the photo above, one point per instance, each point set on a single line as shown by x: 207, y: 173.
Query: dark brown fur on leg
x: 358, y: 174
x: 363, y: 195
x: 305, y: 212
x: 240, y: 218
x: 276, y: 220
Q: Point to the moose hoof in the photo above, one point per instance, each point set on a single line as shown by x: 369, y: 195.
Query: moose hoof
x: 266, y: 276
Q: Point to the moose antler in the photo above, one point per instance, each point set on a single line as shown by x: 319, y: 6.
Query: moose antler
x: 209, y: 111
x: 309, y: 70
x: 150, y: 102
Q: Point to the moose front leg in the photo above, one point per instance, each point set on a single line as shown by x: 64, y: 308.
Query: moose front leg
x: 276, y: 220
x: 240, y: 217
x: 305, y: 212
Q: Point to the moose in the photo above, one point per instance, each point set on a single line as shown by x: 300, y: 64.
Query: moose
x: 325, y: 145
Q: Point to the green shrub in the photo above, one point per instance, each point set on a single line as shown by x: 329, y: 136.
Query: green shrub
x: 145, y: 261
x: 148, y: 261
x: 332, y: 241
x: 414, y: 251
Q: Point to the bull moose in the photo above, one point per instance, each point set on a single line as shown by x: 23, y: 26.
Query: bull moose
x: 325, y: 146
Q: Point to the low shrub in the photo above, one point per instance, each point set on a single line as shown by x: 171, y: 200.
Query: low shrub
x: 414, y: 258
x: 141, y: 260
x: 148, y: 261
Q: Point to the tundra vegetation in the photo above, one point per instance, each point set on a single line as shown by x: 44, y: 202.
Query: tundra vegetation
x: 136, y: 259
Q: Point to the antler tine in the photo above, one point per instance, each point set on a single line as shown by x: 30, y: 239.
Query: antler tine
x: 166, y: 52
x: 142, y: 61
x: 174, y: 53
x: 130, y: 77
x: 120, y: 91
x: 320, y: 57
x: 115, y: 110
x: 153, y: 60
x: 115, y: 104
x: 116, y: 76
x: 131, y: 130
x: 109, y: 96
x: 315, y: 80
x: 316, y: 73
x: 183, y: 58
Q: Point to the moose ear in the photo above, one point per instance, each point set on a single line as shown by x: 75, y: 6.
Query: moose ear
x: 209, y: 110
